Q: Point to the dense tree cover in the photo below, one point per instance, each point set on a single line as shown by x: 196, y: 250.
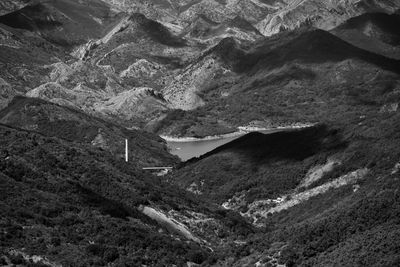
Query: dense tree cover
x: 145, y: 149
x: 77, y: 205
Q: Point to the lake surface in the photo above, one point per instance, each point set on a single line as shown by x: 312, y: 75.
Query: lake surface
x: 189, y: 149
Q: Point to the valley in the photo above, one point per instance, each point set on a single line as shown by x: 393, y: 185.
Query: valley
x: 278, y: 120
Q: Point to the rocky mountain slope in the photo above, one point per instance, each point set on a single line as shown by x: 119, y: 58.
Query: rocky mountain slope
x: 43, y: 33
x: 136, y: 70
x: 269, y: 17
x: 96, y: 86
x: 210, y: 32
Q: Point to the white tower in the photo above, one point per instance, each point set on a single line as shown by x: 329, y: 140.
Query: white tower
x: 126, y: 150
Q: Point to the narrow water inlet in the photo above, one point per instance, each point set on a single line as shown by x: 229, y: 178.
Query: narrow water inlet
x: 187, y: 148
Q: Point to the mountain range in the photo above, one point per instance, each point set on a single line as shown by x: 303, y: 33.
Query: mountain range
x: 77, y: 78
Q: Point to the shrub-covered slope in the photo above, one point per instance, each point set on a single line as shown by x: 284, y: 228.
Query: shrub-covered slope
x: 50, y: 119
x: 75, y: 204
x: 72, y: 204
x: 376, y: 32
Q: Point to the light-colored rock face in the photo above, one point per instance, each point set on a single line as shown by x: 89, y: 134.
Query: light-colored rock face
x: 6, y: 39
x: 81, y: 73
x: 264, y: 208
x: 190, y: 225
x: 96, y: 88
x: 389, y: 108
x: 80, y: 97
x: 218, y: 11
x: 317, y: 172
x: 138, y: 103
x: 210, y: 33
x: 183, y: 92
x: 161, y: 11
x: 181, y: 13
x: 6, y: 93
x: 171, y: 224
x: 135, y: 103
x: 141, y: 68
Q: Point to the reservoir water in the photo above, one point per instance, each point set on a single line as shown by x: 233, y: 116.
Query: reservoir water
x: 187, y: 149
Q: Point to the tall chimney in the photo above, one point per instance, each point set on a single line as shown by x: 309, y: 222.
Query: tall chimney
x: 126, y: 150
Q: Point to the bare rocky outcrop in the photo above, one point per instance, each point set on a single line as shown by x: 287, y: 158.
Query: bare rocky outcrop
x: 6, y: 93
x: 389, y: 108
x: 35, y: 259
x: 264, y: 208
x: 6, y: 39
x: 183, y: 91
x: 83, y: 52
x: 80, y: 97
x: 134, y: 103
x: 141, y: 69
x: 316, y: 173
x: 168, y: 222
x: 269, y: 17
